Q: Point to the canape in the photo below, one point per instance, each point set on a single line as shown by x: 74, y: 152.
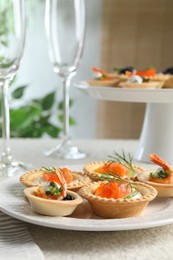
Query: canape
x: 119, y: 164
x: 53, y: 199
x: 75, y: 180
x: 103, y: 83
x: 143, y: 85
x: 118, y: 200
x: 102, y: 78
x: 160, y: 178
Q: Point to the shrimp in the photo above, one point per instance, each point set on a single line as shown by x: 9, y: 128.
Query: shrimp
x: 159, y: 161
x: 62, y: 180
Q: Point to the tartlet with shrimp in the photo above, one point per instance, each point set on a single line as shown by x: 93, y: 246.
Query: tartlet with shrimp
x: 160, y: 178
x: 121, y: 165
x: 118, y: 198
x: 52, y: 198
x: 74, y: 180
x: 103, y: 78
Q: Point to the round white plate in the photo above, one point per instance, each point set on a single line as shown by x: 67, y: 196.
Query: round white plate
x: 126, y: 94
x: 13, y: 203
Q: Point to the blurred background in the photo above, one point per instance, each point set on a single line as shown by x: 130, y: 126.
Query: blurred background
x: 119, y: 33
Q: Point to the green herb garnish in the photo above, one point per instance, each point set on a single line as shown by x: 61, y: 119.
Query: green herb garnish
x: 123, y: 159
x: 162, y: 174
x: 130, y: 196
x: 50, y: 170
x: 54, y: 190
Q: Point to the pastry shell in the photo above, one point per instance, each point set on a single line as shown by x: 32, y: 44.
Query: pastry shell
x: 104, y: 83
x: 166, y: 79
x: 52, y: 207
x: 30, y: 178
x: 112, y: 208
x: 163, y: 190
x: 89, y: 169
x: 144, y: 85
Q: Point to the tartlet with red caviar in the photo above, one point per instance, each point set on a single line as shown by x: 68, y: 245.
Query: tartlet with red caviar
x: 74, y: 180
x: 160, y: 178
x: 117, y: 199
x: 120, y: 164
x: 53, y: 199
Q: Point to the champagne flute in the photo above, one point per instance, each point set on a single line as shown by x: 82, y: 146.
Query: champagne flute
x: 12, y: 38
x: 65, y: 29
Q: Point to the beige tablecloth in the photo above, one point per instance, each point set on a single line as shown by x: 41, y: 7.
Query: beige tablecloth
x: 153, y: 243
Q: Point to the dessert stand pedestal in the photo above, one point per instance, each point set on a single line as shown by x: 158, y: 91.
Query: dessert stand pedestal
x: 157, y: 131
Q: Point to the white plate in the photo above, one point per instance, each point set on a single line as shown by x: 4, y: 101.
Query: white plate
x: 13, y: 203
x: 126, y: 94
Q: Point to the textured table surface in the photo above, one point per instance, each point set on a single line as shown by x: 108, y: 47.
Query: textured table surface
x: 153, y: 243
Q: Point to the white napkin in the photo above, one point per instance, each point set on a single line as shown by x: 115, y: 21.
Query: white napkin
x: 16, y: 242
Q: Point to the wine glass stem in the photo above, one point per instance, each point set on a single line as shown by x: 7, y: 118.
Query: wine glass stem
x: 6, y: 154
x: 66, y: 85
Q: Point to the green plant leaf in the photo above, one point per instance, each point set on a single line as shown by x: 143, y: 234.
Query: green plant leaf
x: 6, y: 63
x: 60, y: 104
x: 18, y: 92
x: 60, y: 118
x: 48, y: 101
x: 51, y: 130
x: 13, y: 81
x: 71, y: 119
x: 44, y: 119
x: 23, y: 117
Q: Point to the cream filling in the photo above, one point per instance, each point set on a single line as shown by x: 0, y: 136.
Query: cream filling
x: 144, y: 176
x: 134, y: 195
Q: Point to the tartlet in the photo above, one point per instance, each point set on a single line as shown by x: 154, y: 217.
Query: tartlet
x: 118, y: 208
x: 31, y: 178
x: 160, y: 178
x: 102, y: 78
x: 144, y: 85
x: 104, y: 83
x: 91, y: 167
x: 52, y: 207
x: 165, y: 79
x: 163, y: 190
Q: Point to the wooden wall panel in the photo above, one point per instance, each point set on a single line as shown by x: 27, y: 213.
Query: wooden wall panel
x: 138, y: 33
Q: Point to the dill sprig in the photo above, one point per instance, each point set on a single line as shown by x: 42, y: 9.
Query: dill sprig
x: 49, y: 170
x: 123, y: 159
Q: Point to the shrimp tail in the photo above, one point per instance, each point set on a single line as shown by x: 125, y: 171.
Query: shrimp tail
x: 60, y: 175
x: 159, y: 161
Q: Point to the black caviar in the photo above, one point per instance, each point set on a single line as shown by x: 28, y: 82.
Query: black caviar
x: 68, y: 197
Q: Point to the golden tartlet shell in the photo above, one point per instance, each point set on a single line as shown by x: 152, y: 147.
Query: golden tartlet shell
x: 144, y: 85
x: 111, y: 208
x: 89, y: 169
x: 30, y: 178
x: 52, y: 207
x: 163, y: 190
x: 104, y: 83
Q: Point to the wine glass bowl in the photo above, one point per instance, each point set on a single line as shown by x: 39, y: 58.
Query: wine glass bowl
x: 65, y: 24
x: 12, y: 39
